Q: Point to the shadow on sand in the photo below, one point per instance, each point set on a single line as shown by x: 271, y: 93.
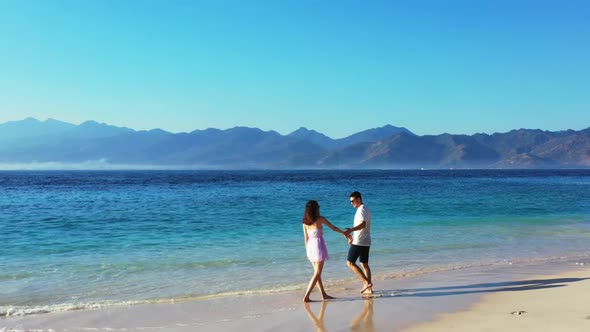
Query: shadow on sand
x: 505, y: 286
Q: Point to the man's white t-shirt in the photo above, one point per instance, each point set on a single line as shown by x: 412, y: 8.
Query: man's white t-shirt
x: 362, y: 237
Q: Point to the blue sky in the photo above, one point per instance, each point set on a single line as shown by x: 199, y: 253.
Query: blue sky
x: 337, y: 67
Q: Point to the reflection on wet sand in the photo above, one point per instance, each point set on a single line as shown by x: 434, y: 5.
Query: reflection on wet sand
x: 362, y: 322
x: 318, y: 321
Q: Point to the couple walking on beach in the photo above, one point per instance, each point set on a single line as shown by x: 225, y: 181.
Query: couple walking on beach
x: 359, y: 241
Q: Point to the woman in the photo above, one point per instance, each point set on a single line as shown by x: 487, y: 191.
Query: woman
x: 317, y: 252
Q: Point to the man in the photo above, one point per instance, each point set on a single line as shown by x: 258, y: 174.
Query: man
x: 360, y: 242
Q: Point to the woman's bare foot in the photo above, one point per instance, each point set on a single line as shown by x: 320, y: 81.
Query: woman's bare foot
x: 306, y: 299
x: 327, y: 297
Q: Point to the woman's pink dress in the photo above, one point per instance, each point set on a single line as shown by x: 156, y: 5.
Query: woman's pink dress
x: 316, y: 246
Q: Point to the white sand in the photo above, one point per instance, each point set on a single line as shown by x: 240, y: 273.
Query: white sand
x: 548, y: 303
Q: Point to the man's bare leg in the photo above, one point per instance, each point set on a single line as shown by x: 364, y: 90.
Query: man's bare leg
x: 367, y: 272
x: 360, y: 274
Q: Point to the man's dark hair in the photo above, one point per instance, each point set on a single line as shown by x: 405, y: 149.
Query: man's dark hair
x: 356, y: 194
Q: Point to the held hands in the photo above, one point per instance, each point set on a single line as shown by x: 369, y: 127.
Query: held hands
x: 346, y: 234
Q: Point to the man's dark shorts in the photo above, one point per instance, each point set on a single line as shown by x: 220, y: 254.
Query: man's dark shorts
x: 358, y: 252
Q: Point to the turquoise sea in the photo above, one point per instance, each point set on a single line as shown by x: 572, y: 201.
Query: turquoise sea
x: 85, y: 239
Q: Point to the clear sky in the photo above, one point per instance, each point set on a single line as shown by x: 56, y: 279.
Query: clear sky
x: 335, y: 66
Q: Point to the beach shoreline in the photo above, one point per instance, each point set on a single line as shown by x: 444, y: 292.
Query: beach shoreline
x: 403, y: 303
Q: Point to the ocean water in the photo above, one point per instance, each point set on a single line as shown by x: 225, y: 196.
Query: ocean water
x: 85, y: 239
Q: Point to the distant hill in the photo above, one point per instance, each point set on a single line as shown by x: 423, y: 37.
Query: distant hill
x: 33, y: 141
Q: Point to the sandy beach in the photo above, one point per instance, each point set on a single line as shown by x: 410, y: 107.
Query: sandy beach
x: 545, y: 303
x: 474, y: 299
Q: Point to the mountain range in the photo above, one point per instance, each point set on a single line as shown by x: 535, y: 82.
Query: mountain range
x: 53, y: 141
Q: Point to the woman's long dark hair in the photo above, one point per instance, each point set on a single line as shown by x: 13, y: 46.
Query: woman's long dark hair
x: 312, y: 212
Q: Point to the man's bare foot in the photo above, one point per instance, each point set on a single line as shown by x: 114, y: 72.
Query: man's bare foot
x: 368, y: 289
x: 368, y: 292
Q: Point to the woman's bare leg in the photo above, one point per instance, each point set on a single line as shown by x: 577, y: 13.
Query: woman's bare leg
x: 325, y: 295
x: 317, y: 275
